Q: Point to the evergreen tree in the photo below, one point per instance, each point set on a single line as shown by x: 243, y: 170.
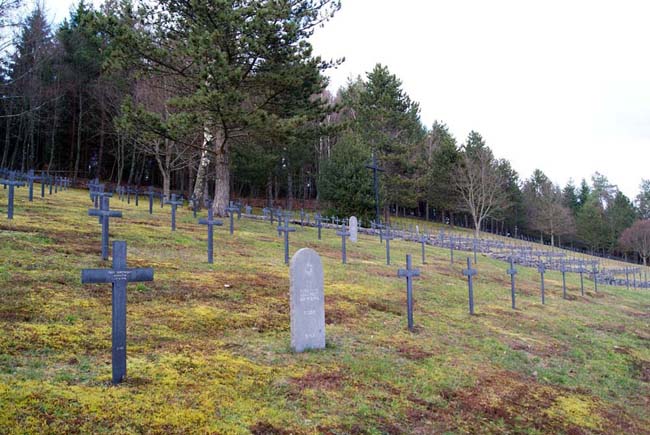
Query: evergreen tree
x: 239, y: 68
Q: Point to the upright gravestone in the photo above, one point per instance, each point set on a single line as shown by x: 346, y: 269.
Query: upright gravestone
x: 307, y: 301
x: 354, y: 229
x: 119, y: 275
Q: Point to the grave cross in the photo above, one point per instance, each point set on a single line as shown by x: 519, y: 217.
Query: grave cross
x: 344, y: 235
x: 375, y: 179
x: 43, y: 182
x: 286, y: 230
x: 30, y: 179
x: 469, y: 273
x: 451, y: 249
x: 423, y: 241
x: 319, y: 224
x: 174, y: 203
x: 210, y: 222
x: 231, y: 213
x: 581, y: 271
x: 388, y: 236
x: 541, y: 268
x: 118, y: 276
x: 151, y: 194
x: 11, y: 183
x: 512, y: 272
x: 409, y: 273
x: 563, y: 269
x: 594, y: 270
x: 105, y: 213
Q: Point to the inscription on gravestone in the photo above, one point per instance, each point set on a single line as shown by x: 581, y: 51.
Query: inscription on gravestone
x: 354, y: 229
x: 307, y: 301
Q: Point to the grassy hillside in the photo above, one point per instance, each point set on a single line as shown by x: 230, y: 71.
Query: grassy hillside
x: 208, y: 346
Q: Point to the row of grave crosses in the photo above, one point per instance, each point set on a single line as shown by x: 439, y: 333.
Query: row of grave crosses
x: 12, y: 180
x: 470, y: 272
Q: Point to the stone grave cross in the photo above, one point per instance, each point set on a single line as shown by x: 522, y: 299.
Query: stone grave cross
x: 11, y: 183
x: 119, y: 276
x: 409, y: 273
x: 344, y: 233
x: 470, y: 273
x: 174, y: 203
x: 286, y: 229
x: 105, y: 213
x: 210, y: 222
x: 512, y: 272
x: 541, y: 268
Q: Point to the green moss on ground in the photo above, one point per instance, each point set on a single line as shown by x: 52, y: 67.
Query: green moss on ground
x: 208, y: 345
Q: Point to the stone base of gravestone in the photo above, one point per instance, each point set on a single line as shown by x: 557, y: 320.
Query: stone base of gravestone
x: 307, y: 301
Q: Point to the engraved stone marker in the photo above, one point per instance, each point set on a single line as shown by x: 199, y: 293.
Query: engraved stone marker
x: 354, y: 229
x: 307, y: 301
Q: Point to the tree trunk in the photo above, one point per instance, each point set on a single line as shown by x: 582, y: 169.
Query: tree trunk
x: 79, y: 124
x: 204, y: 161
x: 100, y: 153
x: 221, y: 181
x: 269, y: 191
x: 289, y: 188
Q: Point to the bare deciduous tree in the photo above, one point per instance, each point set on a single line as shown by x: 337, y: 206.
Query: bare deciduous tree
x: 480, y: 186
x: 637, y: 239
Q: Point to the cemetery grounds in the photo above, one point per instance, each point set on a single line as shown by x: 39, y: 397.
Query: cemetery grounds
x: 209, y: 345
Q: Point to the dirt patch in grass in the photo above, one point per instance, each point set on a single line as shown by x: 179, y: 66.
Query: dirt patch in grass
x: 509, y: 402
x: 331, y: 380
x: 266, y: 428
x: 386, y: 307
x: 412, y: 353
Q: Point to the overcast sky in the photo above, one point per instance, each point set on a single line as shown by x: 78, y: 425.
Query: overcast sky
x: 563, y: 86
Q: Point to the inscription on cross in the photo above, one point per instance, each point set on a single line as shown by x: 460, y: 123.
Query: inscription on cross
x: 409, y: 273
x: 119, y: 276
x: 210, y: 222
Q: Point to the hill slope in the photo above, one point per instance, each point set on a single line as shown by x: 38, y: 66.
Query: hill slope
x: 208, y: 346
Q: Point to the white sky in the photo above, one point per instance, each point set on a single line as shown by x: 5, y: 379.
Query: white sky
x: 563, y: 86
